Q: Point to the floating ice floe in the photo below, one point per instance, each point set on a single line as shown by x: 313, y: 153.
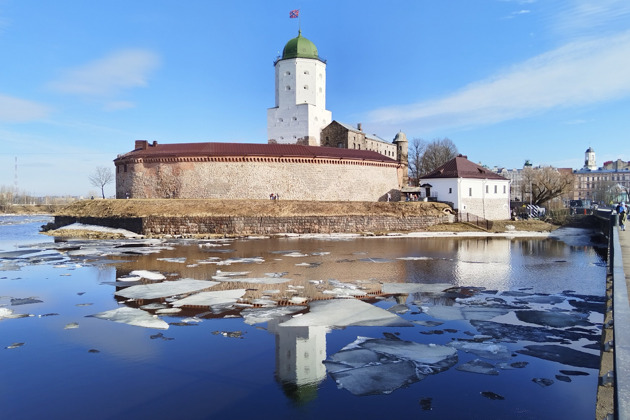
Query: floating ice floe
x: 132, y: 316
x: 346, y: 312
x: 295, y: 255
x: 478, y: 366
x: 277, y: 275
x: 305, y: 264
x: 562, y: 354
x: 379, y: 366
x: 515, y: 333
x: 129, y: 278
x: 252, y: 280
x: 148, y: 275
x: 6, y: 313
x: 14, y: 346
x: 222, y: 274
x: 414, y: 258
x: 168, y: 311
x: 181, y: 260
x: 165, y: 289
x: 24, y: 301
x: 553, y: 319
x: 253, y: 316
x: 344, y: 290
x: 230, y: 261
x: 452, y: 313
x: 9, y: 255
x: 219, y: 297
x: 266, y: 303
x: 154, y: 306
x: 375, y: 260
x: 486, y: 350
x: 396, y: 288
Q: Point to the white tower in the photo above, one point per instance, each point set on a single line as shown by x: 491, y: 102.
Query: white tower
x: 300, y: 112
x: 589, y: 159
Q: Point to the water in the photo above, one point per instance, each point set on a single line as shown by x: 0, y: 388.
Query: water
x: 211, y: 363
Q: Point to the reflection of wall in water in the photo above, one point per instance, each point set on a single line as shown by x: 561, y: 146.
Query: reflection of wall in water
x: 300, y: 352
x: 484, y: 262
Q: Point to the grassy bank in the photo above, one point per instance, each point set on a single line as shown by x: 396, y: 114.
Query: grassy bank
x: 262, y: 208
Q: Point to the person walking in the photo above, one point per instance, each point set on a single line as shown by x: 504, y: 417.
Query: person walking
x: 622, y: 214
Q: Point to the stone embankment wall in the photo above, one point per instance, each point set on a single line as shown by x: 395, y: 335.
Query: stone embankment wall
x: 251, y: 225
x: 296, y: 224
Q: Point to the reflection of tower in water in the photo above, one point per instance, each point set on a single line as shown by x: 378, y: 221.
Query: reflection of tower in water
x: 484, y: 263
x: 300, y: 352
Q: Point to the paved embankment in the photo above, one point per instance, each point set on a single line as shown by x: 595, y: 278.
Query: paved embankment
x: 621, y: 317
x: 613, y: 397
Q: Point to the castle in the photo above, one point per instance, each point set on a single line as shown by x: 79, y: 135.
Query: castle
x: 308, y: 156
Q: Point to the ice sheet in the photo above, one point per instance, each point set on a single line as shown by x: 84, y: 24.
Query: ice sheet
x: 165, y: 289
x: 492, y: 351
x: 346, y: 312
x: 219, y: 297
x: 395, y: 288
x: 379, y: 366
x: 252, y: 316
x: 149, y: 275
x: 132, y: 316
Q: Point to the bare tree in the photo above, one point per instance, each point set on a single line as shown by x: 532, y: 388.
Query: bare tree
x: 437, y: 153
x: 607, y: 192
x: 101, y: 177
x: 416, y: 150
x: 546, y: 183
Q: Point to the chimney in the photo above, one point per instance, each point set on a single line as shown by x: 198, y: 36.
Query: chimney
x: 141, y: 144
x: 359, y: 127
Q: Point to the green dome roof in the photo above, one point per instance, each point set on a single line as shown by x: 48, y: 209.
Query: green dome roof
x: 299, y: 47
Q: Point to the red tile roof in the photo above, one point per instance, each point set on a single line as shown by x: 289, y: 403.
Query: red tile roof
x: 252, y: 149
x: 461, y: 167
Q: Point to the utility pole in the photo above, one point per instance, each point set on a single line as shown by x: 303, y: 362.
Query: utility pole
x: 15, y: 181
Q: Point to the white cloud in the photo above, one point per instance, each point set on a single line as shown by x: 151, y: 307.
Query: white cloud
x: 579, y: 16
x: 118, y: 105
x: 577, y: 74
x: 519, y: 12
x: 21, y: 110
x: 109, y: 76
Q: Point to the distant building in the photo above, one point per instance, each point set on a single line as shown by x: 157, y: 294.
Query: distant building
x: 471, y: 189
x: 604, y: 185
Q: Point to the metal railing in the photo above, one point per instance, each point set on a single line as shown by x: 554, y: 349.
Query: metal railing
x: 475, y: 220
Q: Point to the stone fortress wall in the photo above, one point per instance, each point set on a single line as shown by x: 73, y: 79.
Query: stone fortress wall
x: 310, y: 178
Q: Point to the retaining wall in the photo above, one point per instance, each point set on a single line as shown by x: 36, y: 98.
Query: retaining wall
x: 251, y: 225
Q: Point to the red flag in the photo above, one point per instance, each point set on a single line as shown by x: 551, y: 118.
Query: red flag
x: 294, y: 13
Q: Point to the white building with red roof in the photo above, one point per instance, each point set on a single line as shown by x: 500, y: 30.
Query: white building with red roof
x: 472, y: 189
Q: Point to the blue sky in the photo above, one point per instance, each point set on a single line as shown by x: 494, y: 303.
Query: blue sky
x: 505, y: 80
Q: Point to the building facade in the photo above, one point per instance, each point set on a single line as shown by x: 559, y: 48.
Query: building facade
x: 345, y: 136
x: 602, y: 185
x: 470, y: 188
